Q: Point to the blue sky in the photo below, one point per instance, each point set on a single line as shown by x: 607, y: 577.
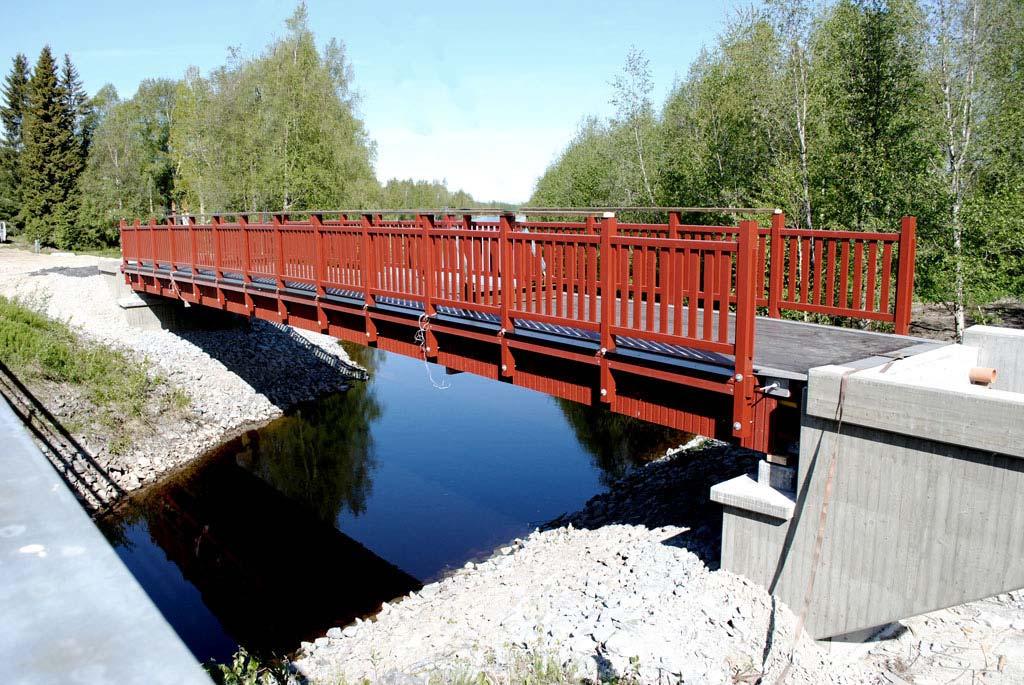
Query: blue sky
x: 482, y: 94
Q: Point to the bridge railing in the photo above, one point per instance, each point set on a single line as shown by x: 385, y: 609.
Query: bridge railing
x: 854, y: 274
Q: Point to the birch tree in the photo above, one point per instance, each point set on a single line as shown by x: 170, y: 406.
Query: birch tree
x: 956, y: 46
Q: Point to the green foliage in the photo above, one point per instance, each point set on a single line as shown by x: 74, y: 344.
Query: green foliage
x: 247, y: 669
x: 130, y: 172
x: 275, y: 132
x: 322, y: 456
x: 38, y: 348
x: 834, y: 112
x: 51, y: 159
x: 412, y: 194
x: 12, y: 112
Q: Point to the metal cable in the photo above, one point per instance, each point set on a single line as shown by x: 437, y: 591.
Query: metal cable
x: 421, y: 339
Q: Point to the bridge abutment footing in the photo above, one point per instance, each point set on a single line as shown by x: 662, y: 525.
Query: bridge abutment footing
x: 151, y: 312
x: 925, y: 509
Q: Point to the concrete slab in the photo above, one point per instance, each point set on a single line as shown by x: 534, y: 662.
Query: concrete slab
x: 744, y: 492
x: 72, y: 613
x: 925, y: 395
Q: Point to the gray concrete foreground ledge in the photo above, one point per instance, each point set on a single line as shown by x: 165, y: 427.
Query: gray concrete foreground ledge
x: 71, y: 611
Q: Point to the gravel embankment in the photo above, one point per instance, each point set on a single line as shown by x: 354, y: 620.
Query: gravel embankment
x: 624, y: 588
x: 617, y: 601
x: 235, y: 377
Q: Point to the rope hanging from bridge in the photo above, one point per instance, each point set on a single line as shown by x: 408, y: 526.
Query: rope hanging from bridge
x: 421, y: 339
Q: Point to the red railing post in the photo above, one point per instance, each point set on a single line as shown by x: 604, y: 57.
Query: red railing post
x: 152, y: 242
x: 746, y: 297
x: 278, y: 220
x: 369, y: 274
x: 674, y: 222
x: 776, y: 264
x: 243, y: 226
x: 609, y: 227
x: 905, y: 277
x: 318, y: 252
x: 426, y: 222
x: 217, y: 257
x: 591, y: 223
x: 123, y: 226
x: 193, y: 248
x: 506, y: 289
x: 430, y: 341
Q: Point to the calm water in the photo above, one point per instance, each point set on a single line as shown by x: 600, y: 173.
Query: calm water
x: 360, y: 497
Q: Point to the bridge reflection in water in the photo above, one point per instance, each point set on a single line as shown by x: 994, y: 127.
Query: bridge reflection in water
x: 355, y: 499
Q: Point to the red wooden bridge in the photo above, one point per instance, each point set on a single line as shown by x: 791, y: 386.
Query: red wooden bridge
x: 676, y: 324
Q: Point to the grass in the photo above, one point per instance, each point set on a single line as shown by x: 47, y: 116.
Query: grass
x: 38, y: 348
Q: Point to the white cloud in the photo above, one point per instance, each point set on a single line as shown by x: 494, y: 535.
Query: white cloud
x: 490, y: 164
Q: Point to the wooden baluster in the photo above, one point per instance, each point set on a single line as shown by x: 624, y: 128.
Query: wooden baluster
x: 193, y: 247
x: 243, y: 226
x: 170, y: 241
x: 214, y: 226
x: 152, y: 243
x: 905, y: 276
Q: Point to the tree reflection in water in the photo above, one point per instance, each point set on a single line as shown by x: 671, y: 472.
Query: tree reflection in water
x: 322, y: 454
x: 615, y: 441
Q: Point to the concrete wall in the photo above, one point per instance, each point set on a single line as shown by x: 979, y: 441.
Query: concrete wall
x: 913, y: 526
x: 916, y: 523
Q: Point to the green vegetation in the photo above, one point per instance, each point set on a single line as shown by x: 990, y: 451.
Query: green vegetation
x: 247, y: 669
x: 527, y: 668
x: 846, y: 114
x: 40, y: 350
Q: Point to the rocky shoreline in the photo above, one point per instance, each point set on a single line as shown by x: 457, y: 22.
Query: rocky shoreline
x: 625, y: 590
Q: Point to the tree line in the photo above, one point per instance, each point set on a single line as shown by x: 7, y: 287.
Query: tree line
x: 278, y: 131
x: 845, y: 114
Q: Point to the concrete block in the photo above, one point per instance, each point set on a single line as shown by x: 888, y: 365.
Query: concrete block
x: 743, y: 492
x: 776, y: 476
x: 1003, y: 350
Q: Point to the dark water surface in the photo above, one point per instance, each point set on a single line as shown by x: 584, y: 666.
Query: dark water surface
x: 360, y: 497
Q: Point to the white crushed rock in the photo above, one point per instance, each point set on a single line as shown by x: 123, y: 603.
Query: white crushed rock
x: 234, y: 377
x: 615, y: 601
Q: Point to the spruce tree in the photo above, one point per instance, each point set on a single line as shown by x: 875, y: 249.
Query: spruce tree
x: 77, y: 102
x: 50, y: 161
x: 12, y: 110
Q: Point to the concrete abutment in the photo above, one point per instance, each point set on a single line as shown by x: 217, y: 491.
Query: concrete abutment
x: 925, y: 510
